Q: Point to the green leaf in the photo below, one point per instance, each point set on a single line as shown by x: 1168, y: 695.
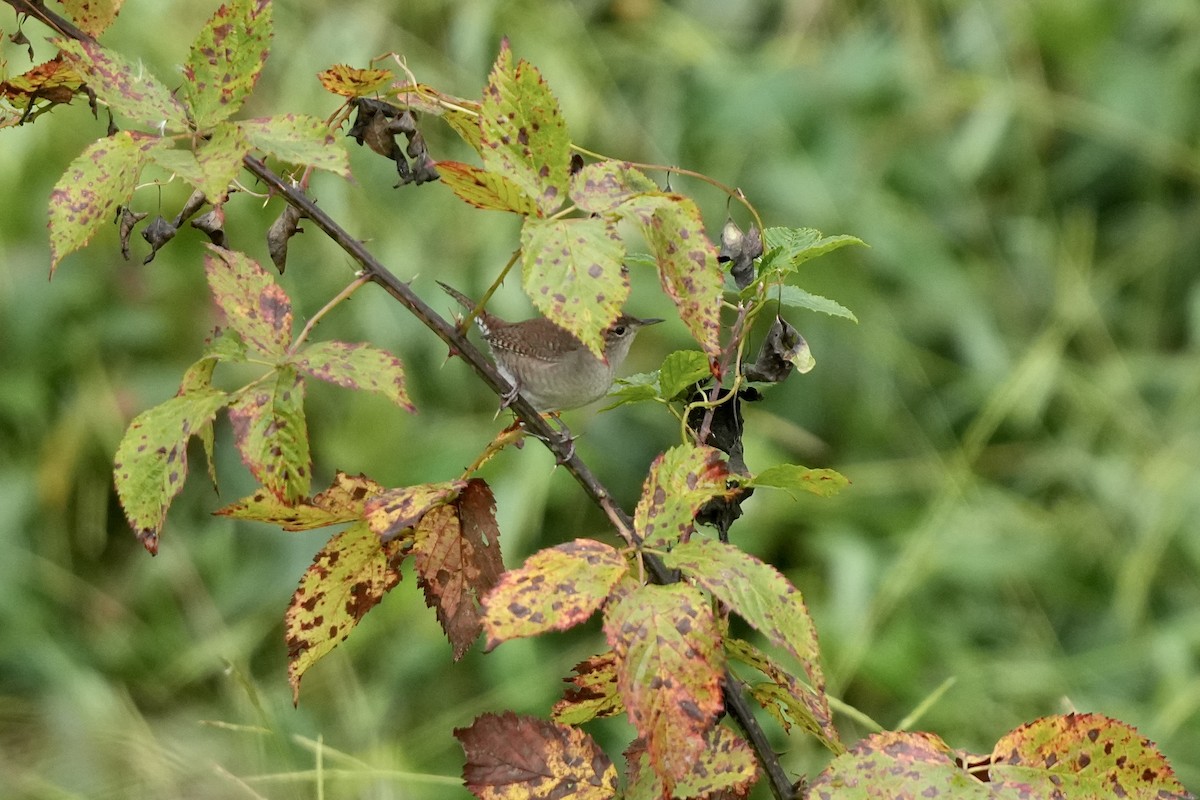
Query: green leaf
x: 214, y: 165
x: 556, y: 589
x: 298, y: 139
x: 796, y: 297
x: 680, y: 370
x: 127, y: 88
x: 483, y: 189
x: 634, y: 389
x: 270, y: 432
x: 573, y: 273
x: 788, y: 248
x: 759, y: 594
x: 151, y: 462
x: 687, y: 262
x: 669, y: 667
x: 226, y: 59
x: 255, y: 306
x: 356, y: 366
x: 348, y: 577
x: 794, y: 478
x: 523, y: 133
x: 601, y: 187
x: 97, y: 182
x: 681, y: 480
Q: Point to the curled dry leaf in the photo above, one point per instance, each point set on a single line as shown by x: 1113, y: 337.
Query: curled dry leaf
x: 285, y: 226
x: 126, y: 219
x: 158, y: 233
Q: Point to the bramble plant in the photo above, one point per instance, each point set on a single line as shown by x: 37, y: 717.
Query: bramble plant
x: 668, y: 592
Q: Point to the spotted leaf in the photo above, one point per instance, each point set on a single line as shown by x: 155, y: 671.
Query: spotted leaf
x: 93, y: 16
x: 151, y: 461
x: 1083, y: 755
x: 348, y: 577
x: 523, y: 135
x: 394, y: 513
x: 669, y: 666
x: 686, y: 260
x: 343, y: 501
x: 297, y: 139
x: 519, y: 758
x: 347, y: 81
x: 727, y: 770
x: 270, y: 432
x: 226, y: 59
x: 593, y: 691
x: 255, y: 307
x: 128, y: 88
x: 483, y: 189
x: 759, y: 594
x: 456, y: 552
x: 356, y: 366
x: 573, y: 272
x: 556, y: 589
x: 681, y: 480
x: 96, y: 183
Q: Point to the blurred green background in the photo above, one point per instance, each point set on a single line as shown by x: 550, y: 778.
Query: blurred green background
x: 1019, y: 409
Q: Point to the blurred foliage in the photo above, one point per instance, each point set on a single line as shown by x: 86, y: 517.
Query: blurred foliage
x: 1019, y: 409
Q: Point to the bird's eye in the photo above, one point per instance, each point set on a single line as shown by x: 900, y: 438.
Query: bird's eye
x: 619, y: 330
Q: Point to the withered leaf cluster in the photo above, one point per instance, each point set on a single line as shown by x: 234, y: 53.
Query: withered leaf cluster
x: 377, y: 124
x: 160, y: 230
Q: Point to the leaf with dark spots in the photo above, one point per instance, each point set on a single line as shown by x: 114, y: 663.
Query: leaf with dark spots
x: 457, y: 557
x: 271, y: 434
x: 348, y: 81
x: 523, y: 135
x: 670, y: 684
x: 681, y: 480
x: 511, y: 757
x: 94, y: 186
x: 487, y: 190
x: 356, y: 366
x: 593, y: 691
x: 344, y: 501
x: 556, y: 589
x: 254, y: 305
x: 126, y: 220
x: 226, y: 59
x: 347, y: 578
x: 151, y: 460
x: 126, y: 87
x: 394, y: 513
x: 758, y: 593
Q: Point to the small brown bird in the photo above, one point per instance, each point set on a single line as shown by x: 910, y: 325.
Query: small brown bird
x: 547, y: 364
